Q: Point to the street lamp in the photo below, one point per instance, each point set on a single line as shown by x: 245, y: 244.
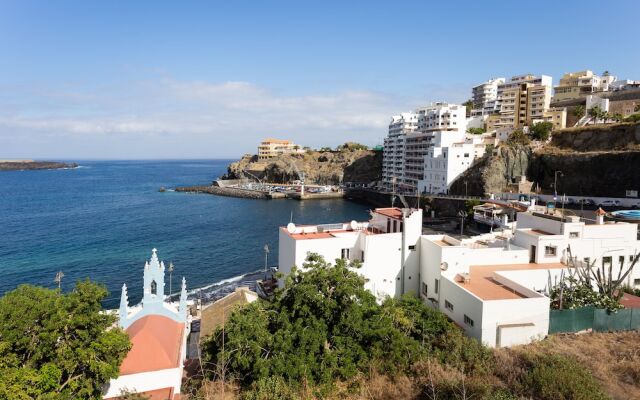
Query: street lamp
x: 555, y: 184
x: 462, y: 214
x: 266, y: 258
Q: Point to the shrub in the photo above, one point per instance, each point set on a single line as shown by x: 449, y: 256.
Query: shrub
x: 541, y: 130
x: 555, y: 377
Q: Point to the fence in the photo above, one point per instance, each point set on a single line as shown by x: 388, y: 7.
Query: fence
x: 599, y: 320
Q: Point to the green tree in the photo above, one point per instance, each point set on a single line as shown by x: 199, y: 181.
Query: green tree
x: 541, y: 130
x: 597, y: 113
x: 469, y: 105
x: 323, y: 149
x: 578, y: 111
x: 518, y: 137
x: 58, y: 346
x: 476, y: 131
x: 324, y: 326
x: 351, y: 146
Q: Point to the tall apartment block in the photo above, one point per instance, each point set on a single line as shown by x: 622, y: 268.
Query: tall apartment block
x: 523, y: 99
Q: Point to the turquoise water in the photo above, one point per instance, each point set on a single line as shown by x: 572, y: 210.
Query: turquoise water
x: 101, y: 221
x: 628, y: 214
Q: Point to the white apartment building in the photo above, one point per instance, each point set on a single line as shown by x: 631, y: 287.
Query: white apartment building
x: 394, y: 147
x: 447, y: 158
x: 410, y: 138
x: 494, y: 286
x: 485, y: 97
x: 386, y: 245
x: 574, y: 85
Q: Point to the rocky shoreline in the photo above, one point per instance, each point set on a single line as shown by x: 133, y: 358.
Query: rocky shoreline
x: 26, y: 165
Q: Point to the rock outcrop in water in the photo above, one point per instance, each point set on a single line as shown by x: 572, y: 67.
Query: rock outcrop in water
x: 601, y: 160
x: 31, y: 165
x: 328, y: 167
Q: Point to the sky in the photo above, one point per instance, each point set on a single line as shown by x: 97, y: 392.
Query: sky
x: 187, y: 79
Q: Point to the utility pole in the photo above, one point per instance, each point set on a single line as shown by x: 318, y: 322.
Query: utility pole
x: 555, y: 184
x: 58, y: 279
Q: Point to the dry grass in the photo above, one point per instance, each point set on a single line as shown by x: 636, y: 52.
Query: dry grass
x: 612, y: 358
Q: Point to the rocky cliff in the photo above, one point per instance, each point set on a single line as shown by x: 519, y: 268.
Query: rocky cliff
x: 330, y: 167
x: 599, y: 160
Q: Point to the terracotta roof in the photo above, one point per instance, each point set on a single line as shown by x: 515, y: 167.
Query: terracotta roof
x: 390, y: 212
x: 600, y: 211
x: 156, y: 344
x: 482, y: 283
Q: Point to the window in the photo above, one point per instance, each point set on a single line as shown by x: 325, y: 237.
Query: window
x: 468, y: 320
x: 621, y: 260
x: 573, y: 235
x: 636, y: 282
x: 388, y: 225
x: 345, y: 254
x: 412, y: 247
x: 606, y: 261
x: 436, y: 286
x: 395, y: 226
x: 425, y: 289
x: 154, y: 288
x: 550, y: 251
x: 448, y: 305
x: 466, y: 155
x: 362, y: 255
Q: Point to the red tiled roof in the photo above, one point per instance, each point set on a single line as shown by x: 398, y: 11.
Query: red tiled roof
x: 390, y: 212
x: 156, y: 344
x: 630, y: 301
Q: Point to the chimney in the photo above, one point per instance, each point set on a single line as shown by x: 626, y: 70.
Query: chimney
x: 600, y: 213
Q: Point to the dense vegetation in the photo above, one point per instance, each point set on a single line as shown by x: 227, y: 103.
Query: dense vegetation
x: 57, y: 346
x: 324, y: 335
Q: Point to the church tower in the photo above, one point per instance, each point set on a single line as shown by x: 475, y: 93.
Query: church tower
x: 153, y: 281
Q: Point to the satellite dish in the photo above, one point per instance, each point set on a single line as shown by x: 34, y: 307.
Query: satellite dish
x: 444, y: 266
x: 291, y: 227
x: 354, y: 225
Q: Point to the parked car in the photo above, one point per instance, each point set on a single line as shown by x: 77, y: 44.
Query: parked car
x: 609, y: 203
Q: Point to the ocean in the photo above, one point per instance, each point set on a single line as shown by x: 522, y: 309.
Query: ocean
x: 101, y: 220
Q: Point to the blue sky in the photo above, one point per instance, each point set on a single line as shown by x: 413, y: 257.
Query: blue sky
x: 162, y: 79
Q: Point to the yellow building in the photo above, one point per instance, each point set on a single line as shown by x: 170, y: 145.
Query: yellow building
x: 270, y: 148
x: 574, y: 85
x: 523, y: 99
x: 557, y: 116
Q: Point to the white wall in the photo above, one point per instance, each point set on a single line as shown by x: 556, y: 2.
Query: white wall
x: 146, y: 381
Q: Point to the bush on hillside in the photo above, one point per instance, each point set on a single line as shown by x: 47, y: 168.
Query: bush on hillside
x: 324, y: 326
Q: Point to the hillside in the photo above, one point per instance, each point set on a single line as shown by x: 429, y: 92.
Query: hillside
x: 328, y: 167
x: 594, y: 160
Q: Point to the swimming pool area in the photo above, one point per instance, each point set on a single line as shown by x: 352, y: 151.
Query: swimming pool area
x: 626, y: 214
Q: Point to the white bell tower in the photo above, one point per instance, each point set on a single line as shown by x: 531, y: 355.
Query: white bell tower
x: 153, y: 281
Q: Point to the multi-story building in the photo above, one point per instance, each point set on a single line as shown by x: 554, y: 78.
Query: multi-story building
x: 522, y: 99
x: 574, y: 85
x: 447, y: 158
x: 485, y: 97
x: 394, y: 148
x: 386, y: 246
x: 410, y: 137
x: 624, y: 84
x: 495, y: 285
x: 270, y: 148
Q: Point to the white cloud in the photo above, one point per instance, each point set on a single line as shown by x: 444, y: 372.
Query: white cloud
x: 225, y: 119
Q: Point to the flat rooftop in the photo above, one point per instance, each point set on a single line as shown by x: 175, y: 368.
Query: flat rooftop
x: 482, y: 283
x: 391, y: 212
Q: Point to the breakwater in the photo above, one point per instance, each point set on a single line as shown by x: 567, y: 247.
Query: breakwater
x: 224, y: 191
